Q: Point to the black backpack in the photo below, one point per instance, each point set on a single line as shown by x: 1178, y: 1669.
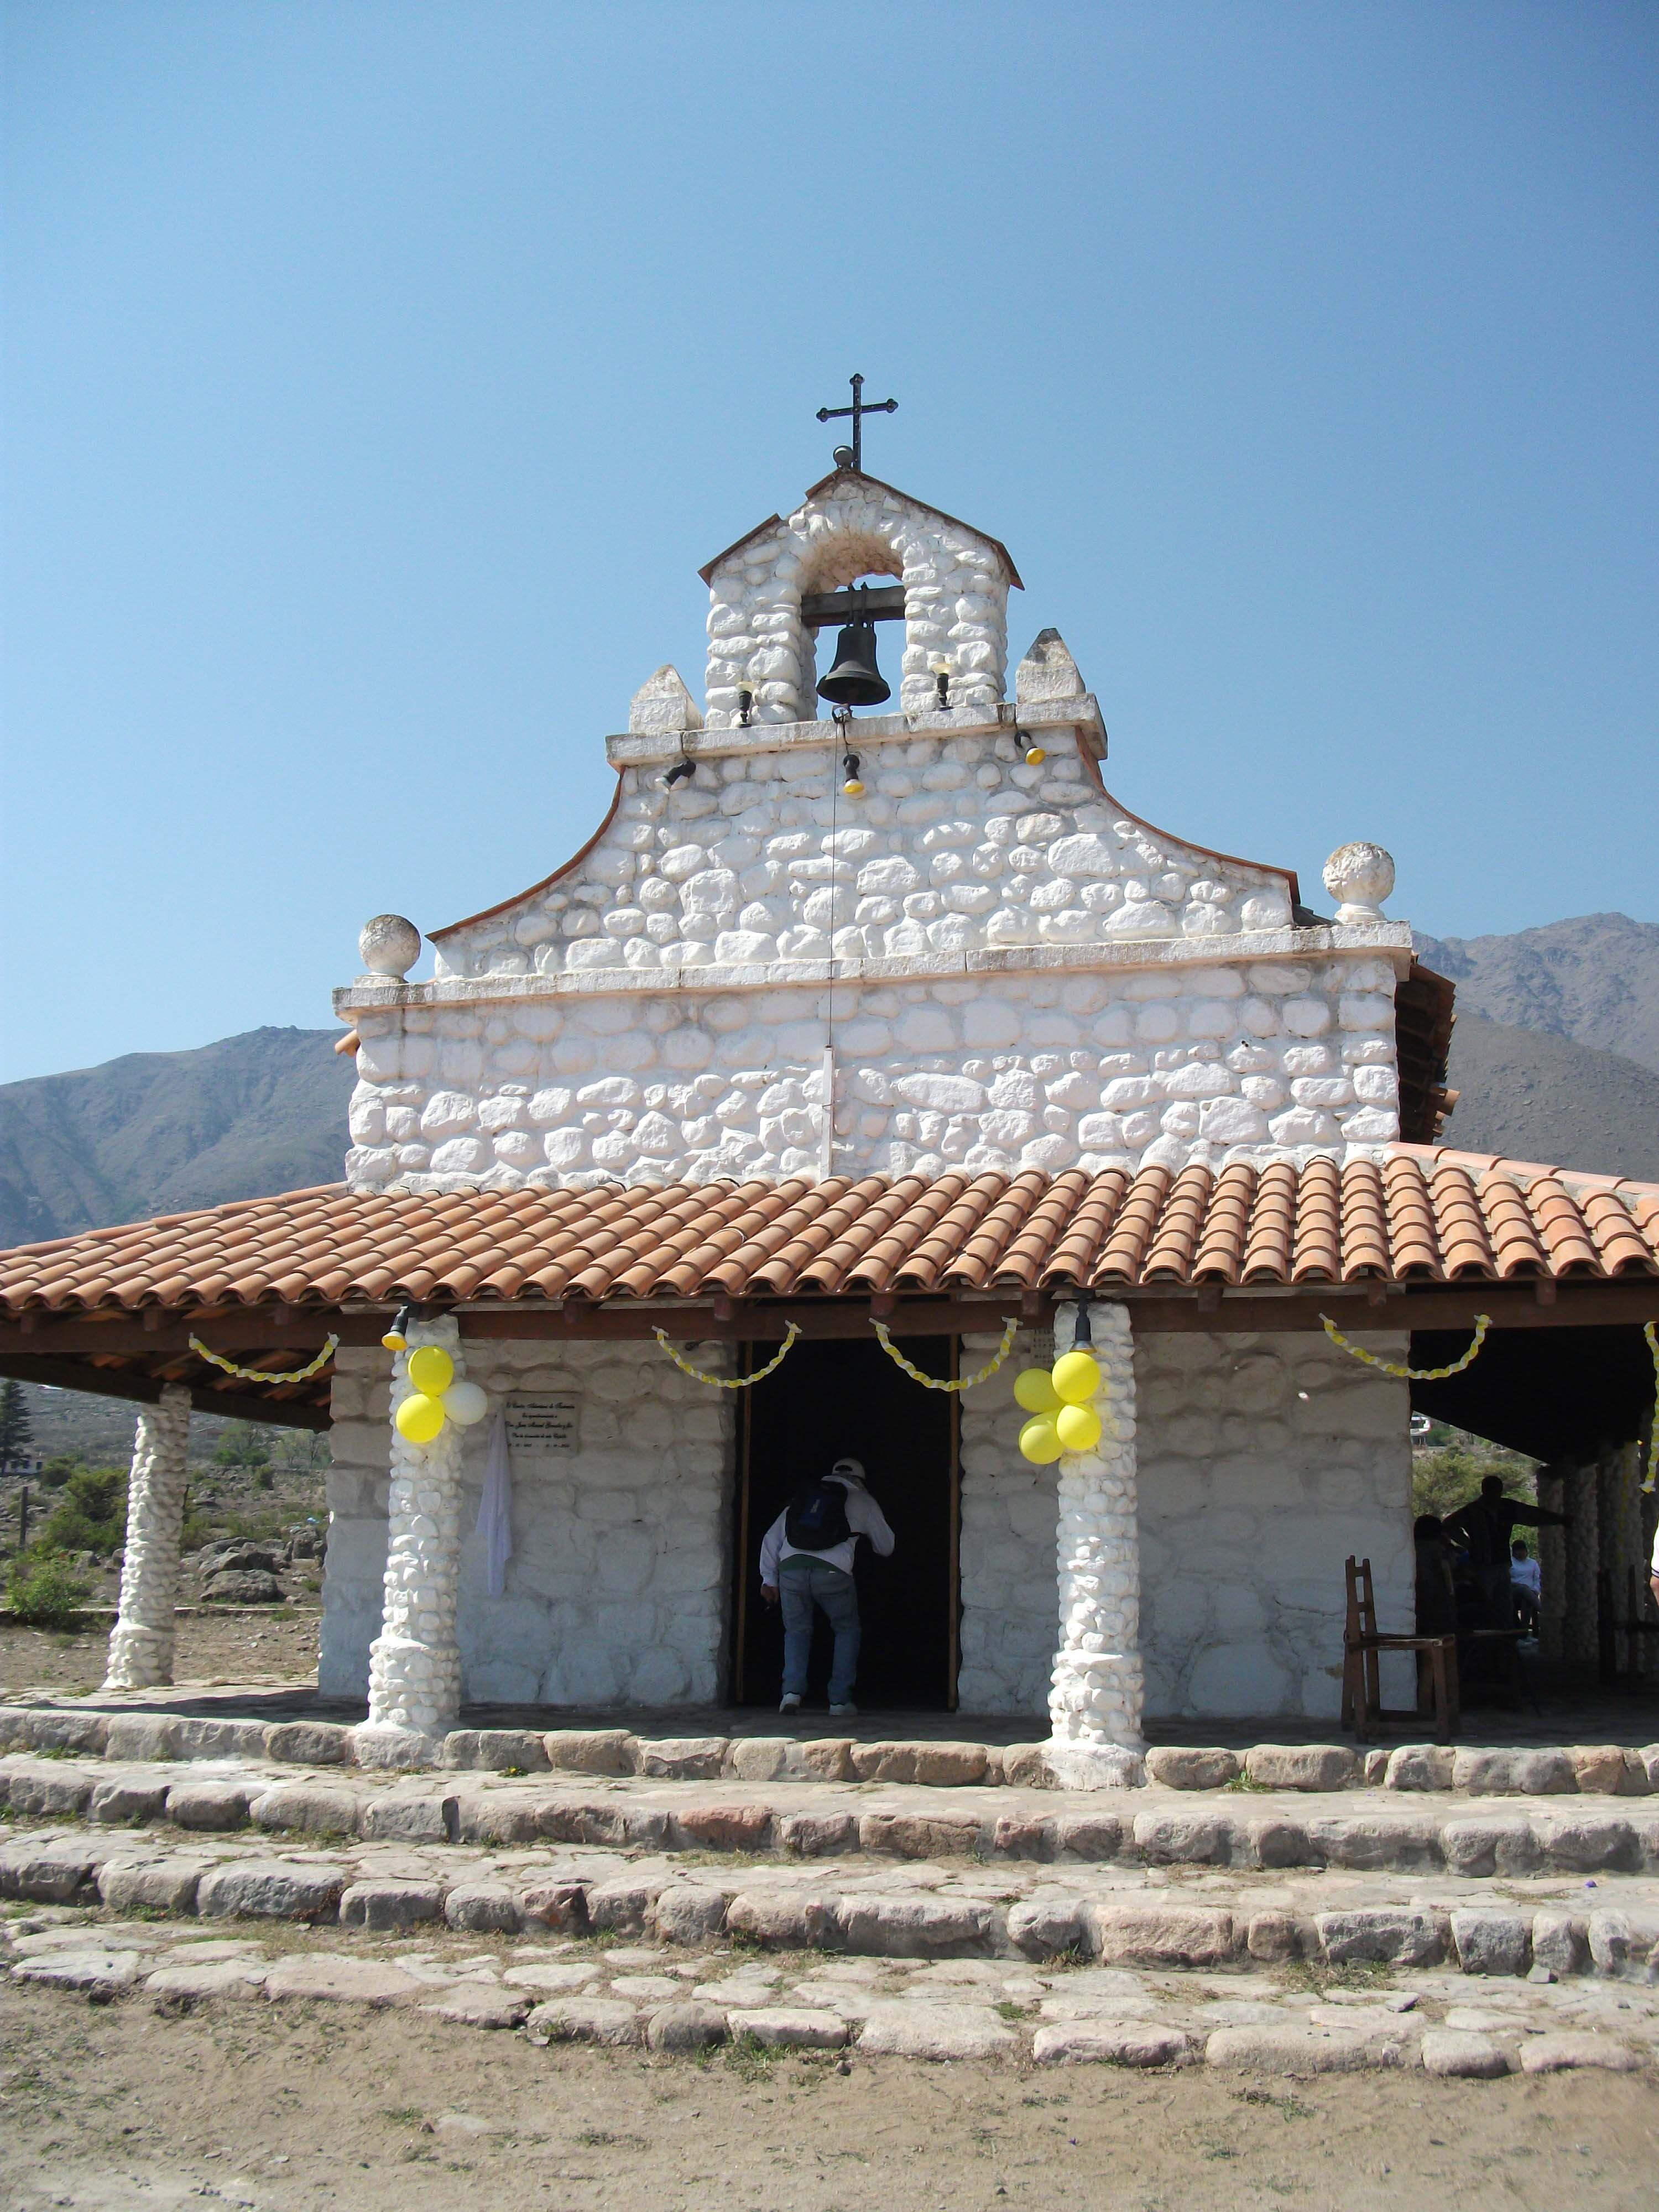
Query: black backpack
x: 817, y: 1518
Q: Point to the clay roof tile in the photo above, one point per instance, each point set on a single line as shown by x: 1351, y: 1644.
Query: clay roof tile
x: 1418, y: 1213
x: 1623, y: 1249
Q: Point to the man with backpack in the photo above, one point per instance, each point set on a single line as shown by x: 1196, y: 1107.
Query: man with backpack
x: 806, y: 1561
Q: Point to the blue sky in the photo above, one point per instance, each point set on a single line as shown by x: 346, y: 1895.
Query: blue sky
x: 378, y: 377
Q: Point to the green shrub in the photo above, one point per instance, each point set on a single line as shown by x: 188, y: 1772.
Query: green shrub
x: 1448, y: 1476
x: 44, y: 1591
x: 91, y: 1512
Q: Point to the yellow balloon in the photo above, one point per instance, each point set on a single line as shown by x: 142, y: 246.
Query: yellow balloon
x: 1078, y: 1427
x: 1075, y: 1375
x: 419, y: 1419
x: 431, y: 1369
x: 1034, y: 1390
x: 1039, y: 1441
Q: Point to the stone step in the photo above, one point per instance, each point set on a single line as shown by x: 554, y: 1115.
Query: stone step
x: 1587, y: 1769
x: 678, y: 1996
x: 862, y: 1905
x: 1255, y: 1831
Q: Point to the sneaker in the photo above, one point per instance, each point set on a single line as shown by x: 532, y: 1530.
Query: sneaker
x: 789, y: 1702
x: 843, y: 1712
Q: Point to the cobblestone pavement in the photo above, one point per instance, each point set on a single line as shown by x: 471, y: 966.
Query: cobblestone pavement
x: 280, y: 2066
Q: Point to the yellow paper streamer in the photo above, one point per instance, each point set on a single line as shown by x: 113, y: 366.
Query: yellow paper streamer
x: 931, y: 1382
x: 1651, y: 1330
x: 1482, y: 1323
x: 257, y: 1375
x: 729, y: 1381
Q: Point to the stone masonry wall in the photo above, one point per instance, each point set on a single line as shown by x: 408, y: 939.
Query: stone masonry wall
x: 1251, y: 1497
x: 1010, y: 1601
x: 958, y: 846
x: 1260, y: 1060
x: 1265, y: 1462
x: 615, y: 1592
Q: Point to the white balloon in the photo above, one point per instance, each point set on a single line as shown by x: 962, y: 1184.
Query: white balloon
x: 465, y: 1403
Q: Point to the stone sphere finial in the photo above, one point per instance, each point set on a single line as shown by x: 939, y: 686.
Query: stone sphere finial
x: 1361, y: 876
x: 389, y: 946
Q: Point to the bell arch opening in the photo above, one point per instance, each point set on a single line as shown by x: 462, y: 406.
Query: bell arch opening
x: 847, y: 578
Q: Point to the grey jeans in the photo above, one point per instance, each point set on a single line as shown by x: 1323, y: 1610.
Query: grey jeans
x: 801, y: 1587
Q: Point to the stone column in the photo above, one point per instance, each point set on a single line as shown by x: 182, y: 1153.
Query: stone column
x: 1554, y: 1495
x: 414, y: 1665
x: 1618, y: 1510
x: 141, y: 1642
x: 1095, y: 1702
x: 1583, y: 1551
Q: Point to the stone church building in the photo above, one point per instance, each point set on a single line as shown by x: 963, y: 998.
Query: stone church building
x: 904, y: 1020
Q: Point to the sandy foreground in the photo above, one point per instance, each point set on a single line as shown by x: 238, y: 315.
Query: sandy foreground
x: 115, y: 2106
x: 275, y: 1643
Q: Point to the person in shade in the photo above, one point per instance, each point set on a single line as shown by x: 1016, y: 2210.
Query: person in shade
x: 806, y: 1566
x: 1486, y: 1525
x: 1437, y: 1592
x: 1526, y: 1587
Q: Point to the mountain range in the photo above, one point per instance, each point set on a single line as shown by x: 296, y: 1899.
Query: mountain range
x: 1555, y: 1055
x: 161, y: 1132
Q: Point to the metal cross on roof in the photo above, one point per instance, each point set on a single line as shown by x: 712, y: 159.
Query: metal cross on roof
x: 853, y: 456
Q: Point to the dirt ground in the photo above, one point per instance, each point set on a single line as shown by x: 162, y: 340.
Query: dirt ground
x: 103, y: 2109
x: 275, y: 1643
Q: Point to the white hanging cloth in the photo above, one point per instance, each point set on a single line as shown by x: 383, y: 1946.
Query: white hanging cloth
x: 496, y: 1509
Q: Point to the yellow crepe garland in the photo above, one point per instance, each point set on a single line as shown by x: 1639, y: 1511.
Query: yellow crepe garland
x: 1482, y: 1323
x: 258, y: 1373
x: 729, y: 1381
x: 931, y: 1382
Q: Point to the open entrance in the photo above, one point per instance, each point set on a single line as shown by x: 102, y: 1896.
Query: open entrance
x: 836, y: 1398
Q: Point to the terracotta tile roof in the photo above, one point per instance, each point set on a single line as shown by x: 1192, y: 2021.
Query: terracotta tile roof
x: 1419, y: 1215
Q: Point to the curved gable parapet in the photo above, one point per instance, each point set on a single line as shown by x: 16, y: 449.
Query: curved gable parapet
x: 958, y: 846
x: 955, y: 583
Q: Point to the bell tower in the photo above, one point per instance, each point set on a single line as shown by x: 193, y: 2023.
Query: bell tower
x: 788, y: 578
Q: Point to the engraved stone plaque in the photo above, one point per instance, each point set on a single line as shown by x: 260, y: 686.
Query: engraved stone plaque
x: 541, y: 1428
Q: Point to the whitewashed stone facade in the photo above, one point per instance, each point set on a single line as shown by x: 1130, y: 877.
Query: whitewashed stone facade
x: 1264, y: 1461
x: 616, y: 1591
x: 1251, y: 1495
x: 983, y: 959
x: 979, y: 961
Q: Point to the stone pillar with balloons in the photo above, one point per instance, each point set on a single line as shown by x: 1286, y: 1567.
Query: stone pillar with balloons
x: 414, y: 1667
x: 1082, y: 1413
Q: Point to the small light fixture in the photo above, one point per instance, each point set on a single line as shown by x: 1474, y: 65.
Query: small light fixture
x: 941, y: 674
x: 681, y: 769
x: 745, y: 706
x: 397, y: 1337
x: 1034, y: 756
x: 852, y: 788
x: 1082, y: 1332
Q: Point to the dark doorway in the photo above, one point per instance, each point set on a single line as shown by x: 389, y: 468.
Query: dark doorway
x: 828, y: 1398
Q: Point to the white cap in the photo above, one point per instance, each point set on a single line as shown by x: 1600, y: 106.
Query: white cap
x: 852, y: 1469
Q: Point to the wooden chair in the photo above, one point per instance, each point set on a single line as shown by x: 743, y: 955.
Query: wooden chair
x: 1362, y: 1646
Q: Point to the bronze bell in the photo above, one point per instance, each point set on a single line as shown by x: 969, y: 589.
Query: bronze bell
x: 855, y: 680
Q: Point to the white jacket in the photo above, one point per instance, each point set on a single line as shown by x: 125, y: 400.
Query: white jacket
x: 864, y: 1517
